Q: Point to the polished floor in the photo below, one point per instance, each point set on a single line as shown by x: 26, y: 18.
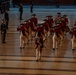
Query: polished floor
x: 13, y: 61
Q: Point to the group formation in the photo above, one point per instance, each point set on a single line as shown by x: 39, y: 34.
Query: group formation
x: 57, y: 27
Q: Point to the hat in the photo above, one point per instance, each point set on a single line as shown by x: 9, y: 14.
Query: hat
x: 33, y: 14
x: 21, y: 24
x: 58, y: 13
x: 65, y: 15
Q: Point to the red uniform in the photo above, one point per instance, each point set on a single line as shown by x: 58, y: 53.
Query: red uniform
x: 73, y: 37
x: 27, y: 25
x: 57, y: 31
x: 46, y: 25
x: 50, y: 22
x: 39, y: 41
x: 73, y: 32
x: 22, y: 29
x: 66, y: 20
x: 34, y: 19
x: 62, y: 26
x: 56, y: 37
x: 40, y: 29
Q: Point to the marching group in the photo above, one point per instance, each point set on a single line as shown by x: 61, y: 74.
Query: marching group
x: 57, y: 27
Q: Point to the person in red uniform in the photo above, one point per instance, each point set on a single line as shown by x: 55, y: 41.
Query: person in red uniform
x: 50, y: 22
x: 31, y: 28
x: 62, y: 29
x: 66, y: 19
x: 23, y: 34
x: 66, y: 22
x: 40, y: 28
x: 73, y: 36
x: 57, y: 18
x: 56, y: 37
x: 27, y: 25
x: 34, y: 19
x: 46, y: 27
x: 39, y: 45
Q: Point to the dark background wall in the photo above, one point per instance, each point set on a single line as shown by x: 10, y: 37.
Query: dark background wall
x: 40, y: 2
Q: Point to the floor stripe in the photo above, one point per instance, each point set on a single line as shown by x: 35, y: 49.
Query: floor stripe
x: 22, y: 74
x: 41, y: 56
x: 38, y: 61
x: 15, y: 68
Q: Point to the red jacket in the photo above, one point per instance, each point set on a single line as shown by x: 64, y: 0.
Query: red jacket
x: 40, y: 29
x: 39, y: 41
x: 50, y: 22
x: 34, y: 20
x: 22, y: 29
x: 46, y: 26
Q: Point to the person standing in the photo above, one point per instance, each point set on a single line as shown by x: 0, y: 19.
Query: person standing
x: 3, y: 30
x: 31, y: 6
x: 21, y: 11
x: 6, y: 17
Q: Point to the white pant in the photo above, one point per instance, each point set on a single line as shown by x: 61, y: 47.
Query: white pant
x: 73, y: 41
x: 55, y: 41
x: 38, y: 53
x: 62, y: 35
x: 22, y: 40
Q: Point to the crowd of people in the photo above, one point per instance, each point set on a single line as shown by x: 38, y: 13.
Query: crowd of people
x: 30, y: 28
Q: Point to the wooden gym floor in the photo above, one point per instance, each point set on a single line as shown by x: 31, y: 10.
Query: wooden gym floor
x: 16, y: 62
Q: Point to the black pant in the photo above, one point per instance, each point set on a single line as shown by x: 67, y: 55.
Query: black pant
x: 7, y: 21
x: 3, y: 36
x: 21, y: 15
x: 31, y: 9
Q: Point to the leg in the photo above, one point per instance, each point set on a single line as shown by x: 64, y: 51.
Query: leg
x: 27, y: 38
x: 7, y: 24
x: 62, y: 35
x: 4, y: 36
x: 37, y: 54
x: 29, y: 33
x: 73, y: 43
x: 20, y: 15
x: 21, y: 42
x: 24, y: 42
x: 54, y: 42
x: 31, y: 9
